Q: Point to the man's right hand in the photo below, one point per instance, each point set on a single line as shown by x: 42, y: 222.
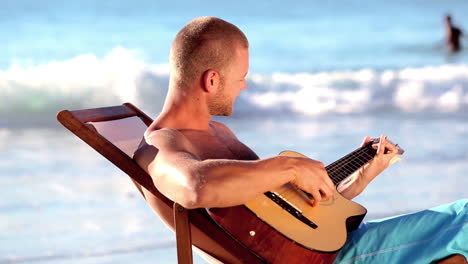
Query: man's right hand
x: 311, y: 177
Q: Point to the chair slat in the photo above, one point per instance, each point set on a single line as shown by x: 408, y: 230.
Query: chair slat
x: 103, y: 113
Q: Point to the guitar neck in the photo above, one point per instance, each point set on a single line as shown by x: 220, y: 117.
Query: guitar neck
x: 344, y: 167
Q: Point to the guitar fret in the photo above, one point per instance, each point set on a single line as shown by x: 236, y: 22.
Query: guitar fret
x: 345, y: 159
x: 344, y: 167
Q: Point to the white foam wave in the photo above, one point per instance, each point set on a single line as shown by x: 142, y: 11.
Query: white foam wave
x: 427, y: 89
x: 124, y: 76
x: 81, y: 82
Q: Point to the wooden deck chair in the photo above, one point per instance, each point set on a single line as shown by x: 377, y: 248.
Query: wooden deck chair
x: 115, y: 132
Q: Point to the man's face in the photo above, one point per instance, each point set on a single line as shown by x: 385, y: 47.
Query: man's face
x: 231, y: 83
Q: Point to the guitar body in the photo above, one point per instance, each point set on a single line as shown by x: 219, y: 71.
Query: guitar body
x: 287, y: 229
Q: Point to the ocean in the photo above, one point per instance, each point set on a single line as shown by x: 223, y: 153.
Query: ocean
x: 322, y: 77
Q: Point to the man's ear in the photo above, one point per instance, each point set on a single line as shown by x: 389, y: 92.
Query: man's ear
x: 210, y: 81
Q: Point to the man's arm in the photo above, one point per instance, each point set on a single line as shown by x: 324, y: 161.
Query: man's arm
x: 186, y: 179
x: 357, y: 182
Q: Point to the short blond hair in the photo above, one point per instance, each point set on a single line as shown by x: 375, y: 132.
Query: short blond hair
x: 205, y: 43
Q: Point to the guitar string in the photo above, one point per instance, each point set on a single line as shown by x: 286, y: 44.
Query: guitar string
x: 342, y: 168
x: 332, y: 168
x: 339, y: 163
x: 339, y: 173
x: 346, y: 171
x: 290, y: 196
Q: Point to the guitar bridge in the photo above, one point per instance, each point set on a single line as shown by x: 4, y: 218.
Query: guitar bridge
x: 290, y: 208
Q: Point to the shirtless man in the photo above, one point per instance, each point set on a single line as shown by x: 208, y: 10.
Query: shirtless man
x: 200, y: 163
x: 197, y: 162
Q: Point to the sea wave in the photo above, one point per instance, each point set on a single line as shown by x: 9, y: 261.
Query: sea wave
x: 442, y: 89
x: 82, y: 82
x: 124, y: 76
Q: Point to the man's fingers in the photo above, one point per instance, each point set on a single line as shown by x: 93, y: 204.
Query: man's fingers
x: 317, y: 197
x: 381, y: 145
x: 366, y: 140
x: 326, y: 192
x: 315, y: 181
x: 326, y: 184
x: 391, y: 153
x: 329, y: 183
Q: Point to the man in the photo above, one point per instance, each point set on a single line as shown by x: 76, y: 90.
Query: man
x: 199, y: 163
x: 452, y: 35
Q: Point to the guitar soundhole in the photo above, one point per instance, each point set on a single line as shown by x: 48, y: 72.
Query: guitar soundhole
x: 288, y: 207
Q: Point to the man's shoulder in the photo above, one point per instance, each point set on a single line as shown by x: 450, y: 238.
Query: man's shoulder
x: 163, y: 136
x: 222, y: 127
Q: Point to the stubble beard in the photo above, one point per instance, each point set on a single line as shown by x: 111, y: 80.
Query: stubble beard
x: 221, y: 105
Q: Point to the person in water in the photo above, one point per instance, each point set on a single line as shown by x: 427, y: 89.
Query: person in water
x: 453, y: 35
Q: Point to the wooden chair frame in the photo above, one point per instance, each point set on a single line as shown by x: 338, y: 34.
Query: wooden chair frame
x: 221, y: 245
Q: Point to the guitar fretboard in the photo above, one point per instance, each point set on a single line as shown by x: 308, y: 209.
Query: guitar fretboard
x: 344, y: 167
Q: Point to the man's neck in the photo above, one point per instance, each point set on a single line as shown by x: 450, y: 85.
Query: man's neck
x: 181, y: 119
x: 183, y: 110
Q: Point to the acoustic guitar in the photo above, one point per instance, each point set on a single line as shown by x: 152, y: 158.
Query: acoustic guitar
x: 281, y: 226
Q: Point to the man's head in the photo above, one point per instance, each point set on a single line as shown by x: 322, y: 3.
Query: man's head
x: 205, y: 46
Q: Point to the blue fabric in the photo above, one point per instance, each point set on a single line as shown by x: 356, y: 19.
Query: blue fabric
x: 420, y: 237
